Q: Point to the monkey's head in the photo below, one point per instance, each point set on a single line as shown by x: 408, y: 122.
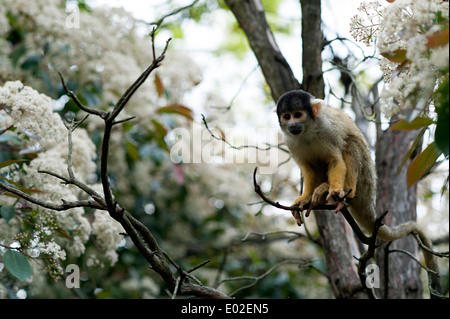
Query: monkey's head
x: 295, y: 109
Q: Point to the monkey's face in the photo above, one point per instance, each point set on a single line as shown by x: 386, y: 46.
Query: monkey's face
x: 295, y: 111
x: 292, y: 122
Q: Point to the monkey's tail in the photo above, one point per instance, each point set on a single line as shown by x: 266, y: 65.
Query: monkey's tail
x: 392, y: 233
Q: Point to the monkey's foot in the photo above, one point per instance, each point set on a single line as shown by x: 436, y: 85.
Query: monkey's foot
x: 298, y: 217
x: 339, y: 206
x: 336, y: 194
x: 319, y: 195
x: 301, y: 202
x: 340, y: 199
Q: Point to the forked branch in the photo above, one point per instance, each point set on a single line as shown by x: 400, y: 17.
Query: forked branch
x: 138, y: 232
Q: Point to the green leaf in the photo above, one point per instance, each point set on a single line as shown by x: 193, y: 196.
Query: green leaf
x: 10, y: 182
x: 32, y: 62
x: 91, y: 98
x: 397, y: 56
x: 17, y: 264
x: 9, y: 138
x: 421, y: 164
x: 8, y: 212
x: 159, y: 134
x: 415, y: 124
x: 132, y: 151
x: 17, y: 53
x: 441, y: 134
x: 412, y: 149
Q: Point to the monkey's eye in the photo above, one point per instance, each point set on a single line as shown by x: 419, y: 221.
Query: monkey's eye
x: 287, y: 117
x: 297, y: 115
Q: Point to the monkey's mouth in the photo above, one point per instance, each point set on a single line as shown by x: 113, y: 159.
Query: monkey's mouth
x: 295, y: 129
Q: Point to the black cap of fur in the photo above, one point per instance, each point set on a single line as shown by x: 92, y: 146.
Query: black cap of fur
x: 295, y: 100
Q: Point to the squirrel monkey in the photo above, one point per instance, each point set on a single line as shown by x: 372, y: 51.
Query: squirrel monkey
x: 334, y: 158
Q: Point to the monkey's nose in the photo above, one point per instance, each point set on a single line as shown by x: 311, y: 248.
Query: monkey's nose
x: 295, y: 129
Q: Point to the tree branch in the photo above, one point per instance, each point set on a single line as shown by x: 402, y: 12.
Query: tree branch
x: 348, y: 217
x: 276, y: 70
x: 141, y: 79
x: 241, y: 147
x: 102, y: 114
x: 256, y: 279
x: 370, y: 253
x: 138, y: 232
x: 110, y: 121
x: 61, y: 207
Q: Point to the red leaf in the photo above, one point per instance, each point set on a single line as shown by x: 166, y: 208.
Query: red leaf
x: 178, y: 174
x: 10, y: 162
x: 437, y: 39
x: 178, y: 109
x: 159, y: 85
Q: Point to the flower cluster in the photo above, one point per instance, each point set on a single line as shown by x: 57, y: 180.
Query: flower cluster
x: 415, y: 59
x: 105, y: 53
x: 102, y: 56
x: 53, y: 234
x: 31, y: 114
x: 107, y: 235
x: 366, y: 27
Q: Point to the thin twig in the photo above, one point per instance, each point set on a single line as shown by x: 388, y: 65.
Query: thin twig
x: 61, y: 207
x: 161, y: 20
x: 256, y: 279
x: 102, y: 114
x: 444, y: 254
x: 71, y: 127
x: 124, y: 120
x: 413, y: 258
x: 135, y: 86
x: 221, y: 138
x: 241, y: 87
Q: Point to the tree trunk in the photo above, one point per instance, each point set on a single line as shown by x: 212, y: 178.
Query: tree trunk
x: 312, y: 45
x: 337, y: 238
x: 276, y: 70
x: 394, y: 196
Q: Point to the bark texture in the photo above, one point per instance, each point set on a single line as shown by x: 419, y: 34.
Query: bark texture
x: 394, y: 196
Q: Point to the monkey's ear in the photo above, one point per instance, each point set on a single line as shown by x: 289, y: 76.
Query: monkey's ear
x: 316, y: 104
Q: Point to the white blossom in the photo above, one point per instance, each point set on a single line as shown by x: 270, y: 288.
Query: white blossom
x: 32, y: 115
x: 107, y: 234
x: 406, y: 26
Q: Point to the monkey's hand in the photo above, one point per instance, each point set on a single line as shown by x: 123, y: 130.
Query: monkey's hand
x: 301, y: 201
